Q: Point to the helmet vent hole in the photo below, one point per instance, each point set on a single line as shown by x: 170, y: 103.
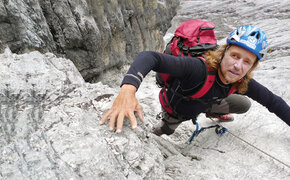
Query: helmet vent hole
x: 255, y: 34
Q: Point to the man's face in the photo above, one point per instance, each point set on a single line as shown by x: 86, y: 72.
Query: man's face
x: 236, y: 63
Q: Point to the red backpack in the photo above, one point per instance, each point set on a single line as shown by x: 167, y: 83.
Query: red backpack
x: 191, y: 38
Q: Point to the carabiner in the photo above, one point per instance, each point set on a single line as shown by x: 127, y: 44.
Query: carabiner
x: 220, y: 130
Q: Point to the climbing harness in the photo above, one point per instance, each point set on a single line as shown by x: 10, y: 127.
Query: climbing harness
x: 222, y: 130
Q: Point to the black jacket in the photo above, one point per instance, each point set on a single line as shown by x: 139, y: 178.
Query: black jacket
x: 191, y: 73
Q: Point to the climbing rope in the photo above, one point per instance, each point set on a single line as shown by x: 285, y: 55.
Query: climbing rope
x: 222, y: 130
x: 259, y: 149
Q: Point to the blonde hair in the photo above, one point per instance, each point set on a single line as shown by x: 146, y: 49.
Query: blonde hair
x: 213, y: 58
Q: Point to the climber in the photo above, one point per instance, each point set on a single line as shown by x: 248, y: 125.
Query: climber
x: 233, y: 64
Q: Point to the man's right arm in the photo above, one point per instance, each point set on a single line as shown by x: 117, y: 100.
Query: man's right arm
x: 126, y: 103
x: 180, y: 67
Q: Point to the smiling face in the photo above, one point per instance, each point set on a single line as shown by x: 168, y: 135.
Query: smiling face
x: 235, y: 64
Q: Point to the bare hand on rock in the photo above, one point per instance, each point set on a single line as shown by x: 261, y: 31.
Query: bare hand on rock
x: 124, y: 105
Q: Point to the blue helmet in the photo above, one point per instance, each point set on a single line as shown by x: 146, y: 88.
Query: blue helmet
x: 250, y: 38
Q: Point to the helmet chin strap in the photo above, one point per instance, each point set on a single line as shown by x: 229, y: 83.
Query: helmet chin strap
x: 220, y: 61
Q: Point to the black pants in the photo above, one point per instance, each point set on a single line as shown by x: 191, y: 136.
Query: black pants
x: 234, y: 103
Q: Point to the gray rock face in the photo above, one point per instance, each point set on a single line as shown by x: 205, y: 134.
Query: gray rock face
x: 49, y: 126
x: 95, y: 35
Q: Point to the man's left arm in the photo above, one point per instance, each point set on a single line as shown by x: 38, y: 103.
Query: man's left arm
x: 271, y: 101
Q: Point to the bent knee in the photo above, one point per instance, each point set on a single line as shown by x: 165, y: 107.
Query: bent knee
x: 238, y: 103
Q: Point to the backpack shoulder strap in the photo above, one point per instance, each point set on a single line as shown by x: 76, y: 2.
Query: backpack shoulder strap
x: 210, y: 78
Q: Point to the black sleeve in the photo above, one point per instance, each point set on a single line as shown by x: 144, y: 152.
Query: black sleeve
x: 179, y: 67
x: 274, y: 103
